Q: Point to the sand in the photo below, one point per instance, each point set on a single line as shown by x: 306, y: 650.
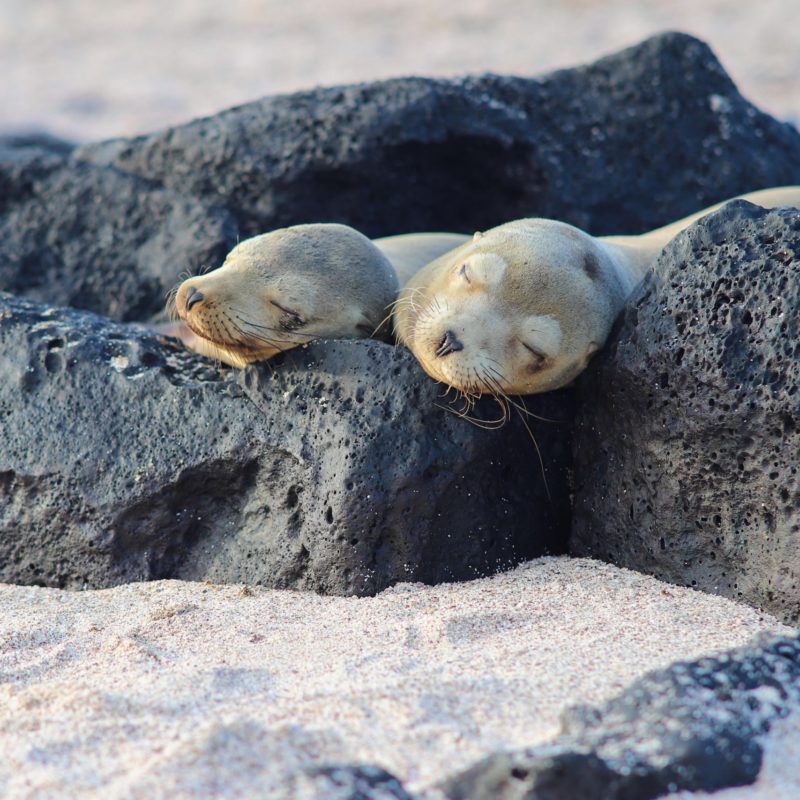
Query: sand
x: 89, y: 69
x: 176, y: 689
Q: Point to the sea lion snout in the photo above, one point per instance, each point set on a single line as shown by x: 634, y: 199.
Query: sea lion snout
x: 192, y: 297
x: 448, y: 344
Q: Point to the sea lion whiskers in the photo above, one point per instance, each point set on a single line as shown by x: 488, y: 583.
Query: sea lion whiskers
x: 171, y: 303
x: 171, y: 295
x: 470, y: 395
x: 495, y: 384
x: 383, y: 322
x: 393, y: 306
x: 272, y: 329
x: 426, y: 318
x: 259, y: 337
x: 487, y: 425
x: 506, y: 403
x: 469, y: 398
x: 405, y: 301
x: 223, y: 321
x: 399, y: 301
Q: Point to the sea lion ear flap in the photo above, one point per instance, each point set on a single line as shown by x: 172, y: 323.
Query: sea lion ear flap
x: 486, y: 269
x: 543, y: 334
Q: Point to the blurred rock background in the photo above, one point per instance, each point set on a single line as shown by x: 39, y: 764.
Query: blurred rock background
x: 90, y: 69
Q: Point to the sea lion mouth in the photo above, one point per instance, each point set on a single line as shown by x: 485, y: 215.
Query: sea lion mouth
x: 242, y: 351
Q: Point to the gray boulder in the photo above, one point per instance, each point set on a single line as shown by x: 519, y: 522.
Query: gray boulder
x: 686, y: 447
x: 95, y: 237
x: 628, y: 143
x: 126, y: 458
x: 693, y: 726
x: 345, y: 782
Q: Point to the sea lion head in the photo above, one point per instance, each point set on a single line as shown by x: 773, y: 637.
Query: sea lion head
x: 519, y: 309
x: 285, y: 288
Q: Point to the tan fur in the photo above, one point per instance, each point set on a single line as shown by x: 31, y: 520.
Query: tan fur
x: 522, y: 308
x: 286, y: 288
x: 409, y: 252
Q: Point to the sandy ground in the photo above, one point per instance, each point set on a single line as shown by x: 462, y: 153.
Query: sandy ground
x: 177, y: 690
x: 89, y: 69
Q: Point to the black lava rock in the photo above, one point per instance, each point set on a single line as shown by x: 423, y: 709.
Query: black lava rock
x: 14, y: 144
x: 629, y: 143
x: 693, y: 726
x: 687, y: 444
x: 73, y: 233
x: 345, y: 782
x: 126, y: 458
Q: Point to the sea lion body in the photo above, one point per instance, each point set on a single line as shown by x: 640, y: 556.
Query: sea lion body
x: 409, y: 252
x: 521, y: 308
x: 535, y: 300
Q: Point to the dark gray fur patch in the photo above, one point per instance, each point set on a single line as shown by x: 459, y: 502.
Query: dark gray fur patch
x: 591, y: 266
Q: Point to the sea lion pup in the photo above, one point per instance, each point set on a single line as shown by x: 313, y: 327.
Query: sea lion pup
x: 290, y: 286
x: 522, y: 308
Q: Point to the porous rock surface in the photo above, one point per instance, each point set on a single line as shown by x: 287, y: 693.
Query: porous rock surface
x: 686, y: 445
x: 92, y: 237
x: 126, y: 458
x: 631, y: 142
x: 693, y: 726
x: 345, y: 782
x: 420, y: 154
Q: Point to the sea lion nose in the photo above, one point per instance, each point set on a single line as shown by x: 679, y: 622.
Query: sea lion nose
x: 192, y: 298
x: 448, y: 344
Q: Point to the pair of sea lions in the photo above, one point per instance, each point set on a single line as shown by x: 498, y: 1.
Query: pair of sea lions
x: 518, y: 309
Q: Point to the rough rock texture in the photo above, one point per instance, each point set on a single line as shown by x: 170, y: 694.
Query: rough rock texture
x: 125, y: 459
x: 626, y: 144
x: 346, y: 783
x: 686, y: 453
x: 691, y: 726
x: 11, y: 144
x: 96, y: 238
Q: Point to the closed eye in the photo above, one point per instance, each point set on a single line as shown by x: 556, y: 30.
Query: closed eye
x: 538, y: 355
x: 290, y: 320
x: 462, y: 271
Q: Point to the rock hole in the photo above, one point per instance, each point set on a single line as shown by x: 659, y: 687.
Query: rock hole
x: 293, y: 496
x: 53, y: 362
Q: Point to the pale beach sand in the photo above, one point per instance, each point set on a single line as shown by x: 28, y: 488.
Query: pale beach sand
x: 180, y: 690
x: 90, y: 69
